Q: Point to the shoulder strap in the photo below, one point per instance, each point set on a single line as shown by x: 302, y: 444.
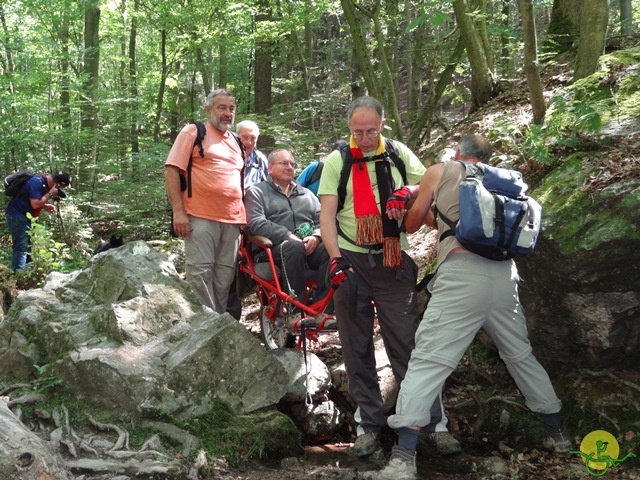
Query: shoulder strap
x: 317, y: 173
x: 390, y: 147
x: 243, y: 154
x: 347, y: 161
x: 470, y: 170
x: 202, y: 131
x: 345, y: 173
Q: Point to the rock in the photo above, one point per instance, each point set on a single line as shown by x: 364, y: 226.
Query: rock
x: 127, y: 334
x: 308, y: 375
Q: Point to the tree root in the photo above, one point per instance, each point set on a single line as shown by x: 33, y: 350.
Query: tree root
x: 123, y: 435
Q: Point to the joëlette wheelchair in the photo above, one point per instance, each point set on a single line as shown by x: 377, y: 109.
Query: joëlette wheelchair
x: 279, y: 328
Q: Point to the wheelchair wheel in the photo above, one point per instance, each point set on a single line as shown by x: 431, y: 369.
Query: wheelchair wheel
x: 274, y: 333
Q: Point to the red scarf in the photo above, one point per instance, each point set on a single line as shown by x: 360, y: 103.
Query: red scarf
x: 372, y: 226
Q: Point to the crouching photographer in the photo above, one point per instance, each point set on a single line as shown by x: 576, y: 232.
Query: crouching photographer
x: 30, y: 195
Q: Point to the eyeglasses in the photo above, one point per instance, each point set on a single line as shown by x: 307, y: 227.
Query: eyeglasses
x: 286, y: 164
x: 368, y: 133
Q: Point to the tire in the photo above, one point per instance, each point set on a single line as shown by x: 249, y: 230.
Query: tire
x: 275, y: 333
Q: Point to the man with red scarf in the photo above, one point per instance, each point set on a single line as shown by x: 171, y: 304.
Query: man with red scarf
x: 365, y: 243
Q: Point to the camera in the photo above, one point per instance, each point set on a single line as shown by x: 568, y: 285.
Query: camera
x: 59, y: 196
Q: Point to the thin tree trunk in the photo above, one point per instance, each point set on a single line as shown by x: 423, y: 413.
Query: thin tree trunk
x: 133, y: 89
x: 481, y: 76
x: 8, y: 67
x: 593, y: 33
x: 294, y: 40
x: 505, y: 62
x: 387, y: 82
x: 531, y: 61
x: 263, y: 58
x: 223, y: 70
x: 89, y: 110
x: 164, y: 72
x: 360, y: 48
x: 481, y: 26
x: 626, y: 17
x: 425, y: 119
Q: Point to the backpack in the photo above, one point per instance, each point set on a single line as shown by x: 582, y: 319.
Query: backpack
x: 185, y: 183
x: 13, y: 183
x: 497, y: 220
x: 317, y: 173
x: 391, y: 154
x: 310, y: 176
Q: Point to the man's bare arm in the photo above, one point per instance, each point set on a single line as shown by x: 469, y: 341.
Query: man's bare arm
x: 420, y: 212
x: 180, y: 218
x: 328, y: 228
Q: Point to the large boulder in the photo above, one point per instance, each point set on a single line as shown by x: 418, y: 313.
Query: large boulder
x: 581, y: 288
x: 128, y: 334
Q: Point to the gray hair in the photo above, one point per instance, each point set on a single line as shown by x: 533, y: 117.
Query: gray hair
x: 475, y: 146
x: 216, y: 93
x: 365, y: 102
x: 272, y: 156
x: 248, y: 124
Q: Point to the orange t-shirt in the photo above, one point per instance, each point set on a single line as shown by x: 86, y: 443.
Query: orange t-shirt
x: 215, y: 179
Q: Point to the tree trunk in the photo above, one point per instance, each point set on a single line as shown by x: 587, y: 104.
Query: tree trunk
x: 387, y: 82
x: 223, y: 71
x: 133, y: 89
x: 89, y: 110
x: 531, y: 61
x: 425, y: 119
x: 481, y: 75
x: 593, y: 28
x: 263, y: 57
x: 294, y: 40
x: 564, y: 26
x: 164, y: 72
x: 626, y: 17
x: 360, y: 48
x: 481, y: 26
x: 8, y: 67
x: 65, y: 94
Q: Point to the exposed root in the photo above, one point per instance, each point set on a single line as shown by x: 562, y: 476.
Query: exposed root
x: 123, y: 435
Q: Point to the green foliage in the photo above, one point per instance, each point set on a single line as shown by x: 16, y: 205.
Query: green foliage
x: 46, y: 379
x: 47, y: 255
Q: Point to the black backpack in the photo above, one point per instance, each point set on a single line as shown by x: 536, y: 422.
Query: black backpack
x: 13, y: 183
x: 185, y: 183
x: 391, y: 154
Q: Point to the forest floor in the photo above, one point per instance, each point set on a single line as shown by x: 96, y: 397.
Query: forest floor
x: 500, y: 437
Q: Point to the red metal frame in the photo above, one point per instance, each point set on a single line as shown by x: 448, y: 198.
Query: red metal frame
x: 271, y: 294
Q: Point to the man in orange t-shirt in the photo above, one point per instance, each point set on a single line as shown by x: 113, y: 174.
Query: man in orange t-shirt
x: 209, y: 220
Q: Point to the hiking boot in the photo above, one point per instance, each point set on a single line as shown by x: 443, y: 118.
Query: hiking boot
x: 444, y: 442
x: 401, y: 466
x: 557, y: 440
x: 365, y: 444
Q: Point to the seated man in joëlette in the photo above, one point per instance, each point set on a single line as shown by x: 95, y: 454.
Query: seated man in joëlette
x: 289, y: 215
